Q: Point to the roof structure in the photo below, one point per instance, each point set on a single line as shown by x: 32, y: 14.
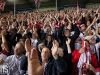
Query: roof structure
x: 25, y: 4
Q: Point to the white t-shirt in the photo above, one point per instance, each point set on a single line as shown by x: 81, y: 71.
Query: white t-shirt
x: 97, y: 73
x: 34, y: 42
x: 4, y: 56
x: 81, y: 35
x: 78, y: 46
x: 13, y: 64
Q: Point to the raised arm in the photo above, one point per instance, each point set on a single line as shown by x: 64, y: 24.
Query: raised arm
x: 34, y: 67
x: 68, y: 45
x: 97, y: 30
x: 77, y: 32
x: 91, y: 35
x: 59, y: 61
x: 90, y: 24
x: 4, y: 41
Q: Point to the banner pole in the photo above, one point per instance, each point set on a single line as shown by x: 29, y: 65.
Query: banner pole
x: 14, y: 8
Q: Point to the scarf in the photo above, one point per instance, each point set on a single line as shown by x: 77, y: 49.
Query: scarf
x: 85, y: 58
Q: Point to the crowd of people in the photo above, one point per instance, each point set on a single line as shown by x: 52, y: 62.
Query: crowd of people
x: 51, y: 43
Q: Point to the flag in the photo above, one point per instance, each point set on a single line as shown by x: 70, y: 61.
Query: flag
x: 77, y: 9
x: 37, y: 3
x: 2, y: 4
x: 83, y: 43
x: 85, y: 58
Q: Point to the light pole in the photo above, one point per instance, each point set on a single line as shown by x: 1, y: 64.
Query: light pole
x: 56, y: 5
x: 14, y: 8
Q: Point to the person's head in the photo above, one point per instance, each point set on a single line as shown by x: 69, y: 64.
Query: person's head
x: 92, y: 41
x: 88, y: 23
x: 14, y: 24
x: 45, y: 54
x: 22, y: 39
x: 60, y: 52
x: 82, y: 27
x: 87, y: 45
x: 49, y: 29
x: 67, y: 32
x: 56, y: 28
x: 78, y: 43
x: 48, y: 23
x: 89, y: 32
x: 65, y: 23
x: 49, y: 38
x: 19, y: 48
x: 40, y: 45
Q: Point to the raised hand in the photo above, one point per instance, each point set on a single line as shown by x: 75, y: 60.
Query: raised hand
x: 34, y: 67
x: 45, y: 30
x: 82, y: 50
x: 92, y: 68
x: 28, y: 46
x: 55, y: 48
x: 20, y: 29
x: 3, y: 33
x: 1, y: 59
x: 68, y: 45
x: 34, y: 29
x: 32, y: 55
x: 93, y: 32
x: 55, y: 43
x: 83, y: 14
x: 10, y: 27
x: 26, y: 31
x: 68, y: 41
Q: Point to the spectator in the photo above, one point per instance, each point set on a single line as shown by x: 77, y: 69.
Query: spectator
x: 48, y: 65
x: 13, y: 61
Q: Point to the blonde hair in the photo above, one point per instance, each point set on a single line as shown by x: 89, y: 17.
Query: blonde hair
x: 22, y: 44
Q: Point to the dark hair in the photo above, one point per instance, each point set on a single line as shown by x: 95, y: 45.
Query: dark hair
x: 48, y: 35
x: 87, y: 41
x: 46, y: 47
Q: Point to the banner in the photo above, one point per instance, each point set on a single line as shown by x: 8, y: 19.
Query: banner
x: 71, y: 6
x: 2, y: 5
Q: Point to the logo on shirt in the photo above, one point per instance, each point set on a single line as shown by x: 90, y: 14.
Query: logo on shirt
x: 4, y: 69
